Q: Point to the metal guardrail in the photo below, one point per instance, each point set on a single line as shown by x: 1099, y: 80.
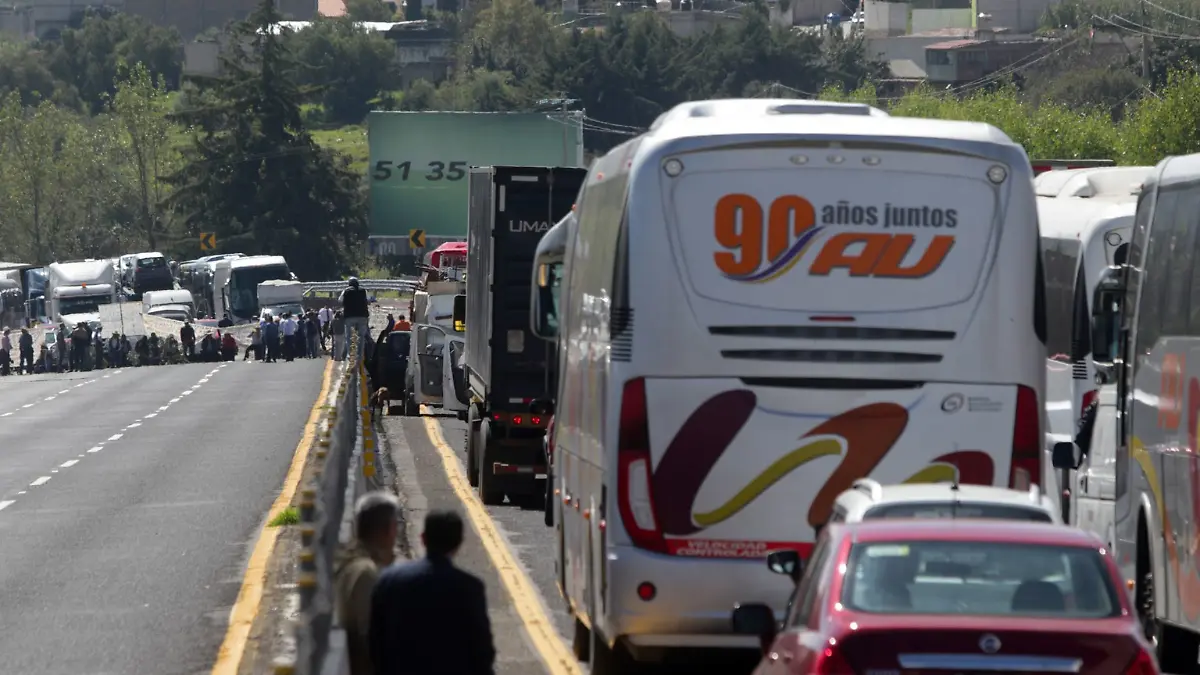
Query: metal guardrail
x: 345, y: 467
x: 404, y: 285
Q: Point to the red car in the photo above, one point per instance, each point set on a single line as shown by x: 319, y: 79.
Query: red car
x: 945, y: 597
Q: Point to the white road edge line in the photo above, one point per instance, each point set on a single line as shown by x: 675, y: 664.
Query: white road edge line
x: 98, y: 448
x: 6, y: 503
x: 69, y: 463
x: 41, y: 481
x: 115, y: 437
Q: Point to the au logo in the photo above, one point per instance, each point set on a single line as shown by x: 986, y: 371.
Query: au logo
x: 865, y: 433
x: 762, y: 244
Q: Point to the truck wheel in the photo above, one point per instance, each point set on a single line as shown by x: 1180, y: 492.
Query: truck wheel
x: 472, y: 449
x: 488, y: 494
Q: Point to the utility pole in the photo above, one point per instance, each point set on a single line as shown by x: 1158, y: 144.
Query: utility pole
x: 1145, y: 46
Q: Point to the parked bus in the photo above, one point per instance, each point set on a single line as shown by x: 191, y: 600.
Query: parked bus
x: 245, y: 274
x: 766, y: 300
x: 1147, y: 322
x: 1085, y: 217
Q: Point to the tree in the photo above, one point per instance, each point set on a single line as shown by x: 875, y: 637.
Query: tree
x: 140, y: 107
x: 23, y: 70
x: 369, y: 10
x: 90, y: 57
x: 349, y: 65
x: 254, y: 175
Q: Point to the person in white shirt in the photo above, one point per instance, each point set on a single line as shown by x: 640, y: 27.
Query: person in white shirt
x: 288, y: 328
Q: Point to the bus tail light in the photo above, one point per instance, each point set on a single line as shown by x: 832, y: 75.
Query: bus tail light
x: 635, y: 497
x: 1027, y: 441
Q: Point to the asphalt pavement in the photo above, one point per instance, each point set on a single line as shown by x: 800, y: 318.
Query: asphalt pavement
x: 525, y: 534
x: 129, y: 500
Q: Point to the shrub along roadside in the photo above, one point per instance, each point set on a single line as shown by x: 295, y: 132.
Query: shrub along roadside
x: 1156, y: 126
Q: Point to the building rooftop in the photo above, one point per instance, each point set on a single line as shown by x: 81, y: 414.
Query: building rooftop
x: 954, y: 44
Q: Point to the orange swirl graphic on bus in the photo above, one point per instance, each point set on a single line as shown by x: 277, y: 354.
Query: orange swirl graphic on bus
x: 864, y: 435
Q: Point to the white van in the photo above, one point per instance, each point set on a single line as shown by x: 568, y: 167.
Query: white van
x: 766, y: 300
x: 177, y: 304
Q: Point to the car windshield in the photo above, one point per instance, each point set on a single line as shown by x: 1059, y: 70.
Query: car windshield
x: 959, y: 510
x: 979, y: 578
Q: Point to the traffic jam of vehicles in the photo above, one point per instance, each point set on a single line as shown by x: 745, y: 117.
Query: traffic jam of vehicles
x: 964, y: 444
x: 64, y: 300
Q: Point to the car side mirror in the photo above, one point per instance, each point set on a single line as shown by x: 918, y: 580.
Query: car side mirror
x: 758, y: 620
x: 460, y: 313
x: 786, y: 561
x: 1066, y: 455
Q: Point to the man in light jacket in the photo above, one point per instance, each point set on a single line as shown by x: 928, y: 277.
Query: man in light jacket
x: 375, y: 528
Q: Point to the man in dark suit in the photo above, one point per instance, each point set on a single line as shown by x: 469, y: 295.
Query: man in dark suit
x: 427, y: 616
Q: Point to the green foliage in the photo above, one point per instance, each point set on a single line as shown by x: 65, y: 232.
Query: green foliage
x: 253, y: 173
x: 349, y: 66
x: 288, y: 516
x: 90, y: 57
x: 368, y: 10
x: 139, y: 108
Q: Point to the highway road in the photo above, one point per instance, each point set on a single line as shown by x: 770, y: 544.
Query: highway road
x: 524, y: 535
x: 129, y: 500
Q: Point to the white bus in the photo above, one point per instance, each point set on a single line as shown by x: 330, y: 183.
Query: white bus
x: 1085, y: 217
x: 1147, y: 321
x: 766, y: 300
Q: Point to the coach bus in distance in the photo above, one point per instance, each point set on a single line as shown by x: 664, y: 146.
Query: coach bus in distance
x: 1085, y: 217
x: 766, y: 300
x: 1146, y: 320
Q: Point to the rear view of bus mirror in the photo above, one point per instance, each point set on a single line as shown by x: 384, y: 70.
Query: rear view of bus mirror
x: 1106, y: 314
x: 1066, y: 455
x: 460, y: 313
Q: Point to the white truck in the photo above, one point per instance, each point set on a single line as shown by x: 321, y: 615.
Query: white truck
x: 433, y: 329
x: 278, y: 297
x: 76, y: 290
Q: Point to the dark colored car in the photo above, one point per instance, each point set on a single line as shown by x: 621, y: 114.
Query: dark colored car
x: 151, y: 272
x: 944, y: 597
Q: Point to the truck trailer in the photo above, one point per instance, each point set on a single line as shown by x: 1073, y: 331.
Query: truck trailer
x: 505, y: 367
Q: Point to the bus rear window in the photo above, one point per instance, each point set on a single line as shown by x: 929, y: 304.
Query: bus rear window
x: 819, y: 239
x: 945, y: 510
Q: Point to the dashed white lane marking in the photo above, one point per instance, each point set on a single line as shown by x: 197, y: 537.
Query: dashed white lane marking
x: 64, y: 391
x: 99, y: 446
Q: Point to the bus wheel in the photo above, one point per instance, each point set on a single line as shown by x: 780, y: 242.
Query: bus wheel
x: 581, y: 641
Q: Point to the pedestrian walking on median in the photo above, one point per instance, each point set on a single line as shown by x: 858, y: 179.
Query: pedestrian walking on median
x: 356, y: 313
x: 427, y: 616
x: 375, y: 528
